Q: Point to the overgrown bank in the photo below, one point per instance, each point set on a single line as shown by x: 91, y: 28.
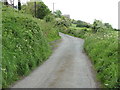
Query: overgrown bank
x: 101, y: 45
x: 25, y: 44
x: 103, y: 51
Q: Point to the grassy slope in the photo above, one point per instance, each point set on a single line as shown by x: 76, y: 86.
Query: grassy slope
x: 80, y: 32
x: 49, y: 30
x: 103, y: 51
x: 102, y: 48
x: 73, y: 27
x: 25, y: 44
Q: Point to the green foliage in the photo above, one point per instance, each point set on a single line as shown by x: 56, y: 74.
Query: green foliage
x: 98, y: 26
x: 28, y: 9
x: 108, y: 25
x: 82, y: 24
x: 25, y: 44
x: 49, y: 18
x: 73, y: 26
x: 63, y: 22
x: 41, y: 9
x: 77, y: 31
x: 74, y: 21
x: 101, y: 45
x: 50, y: 30
x: 58, y: 13
x: 103, y: 50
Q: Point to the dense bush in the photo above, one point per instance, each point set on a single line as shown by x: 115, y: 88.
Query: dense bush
x: 103, y: 50
x: 98, y: 26
x: 82, y: 24
x: 50, y: 30
x: 41, y: 9
x: 25, y: 44
x: 74, y: 21
x: 77, y: 32
x: 58, y: 14
x: 63, y: 22
x: 108, y: 25
x: 49, y: 18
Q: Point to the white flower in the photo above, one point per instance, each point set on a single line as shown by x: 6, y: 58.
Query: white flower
x: 106, y: 84
x: 3, y: 69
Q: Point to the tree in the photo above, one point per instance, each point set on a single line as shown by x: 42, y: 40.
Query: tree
x: 19, y: 5
x: 82, y: 24
x: 5, y: 2
x: 108, y: 25
x: 58, y: 13
x: 63, y: 21
x: 36, y: 9
x: 42, y: 10
x: 74, y: 21
x: 98, y: 26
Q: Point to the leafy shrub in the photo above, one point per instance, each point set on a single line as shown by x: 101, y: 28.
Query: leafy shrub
x: 82, y: 24
x: 41, y: 9
x: 49, y: 18
x: 50, y: 31
x: 108, y: 25
x: 98, y: 26
x: 103, y: 50
x: 25, y: 44
x: 63, y: 22
x: 81, y: 32
x: 74, y: 21
x: 58, y: 14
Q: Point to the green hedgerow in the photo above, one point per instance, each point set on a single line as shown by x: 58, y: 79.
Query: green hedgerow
x: 25, y: 44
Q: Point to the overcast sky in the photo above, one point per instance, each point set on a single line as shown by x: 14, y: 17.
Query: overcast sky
x: 87, y: 10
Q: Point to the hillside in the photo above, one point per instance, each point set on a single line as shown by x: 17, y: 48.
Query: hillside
x: 25, y: 43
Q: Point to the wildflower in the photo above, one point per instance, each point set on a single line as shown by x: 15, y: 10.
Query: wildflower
x: 106, y: 84
x: 3, y: 69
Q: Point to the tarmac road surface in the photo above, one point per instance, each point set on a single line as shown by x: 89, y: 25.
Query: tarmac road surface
x: 67, y: 67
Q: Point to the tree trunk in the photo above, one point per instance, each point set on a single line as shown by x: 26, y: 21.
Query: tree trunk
x: 19, y: 5
x: 35, y: 8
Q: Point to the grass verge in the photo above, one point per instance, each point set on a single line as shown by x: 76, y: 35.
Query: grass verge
x: 25, y: 44
x: 102, y: 48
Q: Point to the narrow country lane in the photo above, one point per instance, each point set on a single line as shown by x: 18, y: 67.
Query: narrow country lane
x: 68, y: 67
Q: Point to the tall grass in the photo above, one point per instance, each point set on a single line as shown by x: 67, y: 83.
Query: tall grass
x: 102, y: 48
x: 25, y: 44
x: 49, y: 30
x: 81, y: 32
